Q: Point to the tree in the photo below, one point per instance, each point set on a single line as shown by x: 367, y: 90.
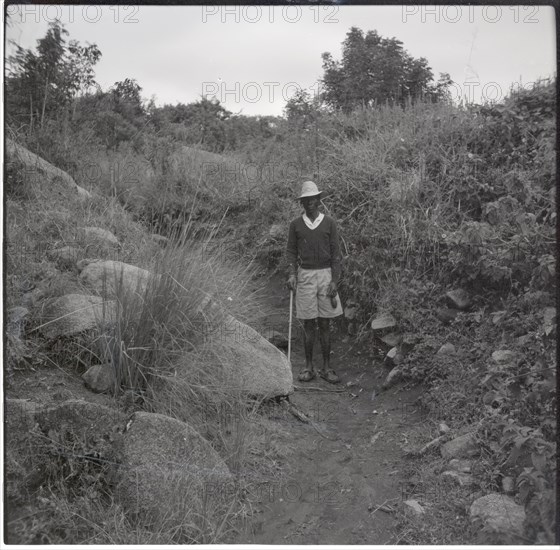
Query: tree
x: 127, y: 98
x: 201, y: 123
x: 81, y: 60
x: 374, y: 70
x: 302, y: 110
x: 42, y: 83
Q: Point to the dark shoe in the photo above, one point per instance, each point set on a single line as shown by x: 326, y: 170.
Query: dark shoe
x: 306, y: 375
x: 330, y: 376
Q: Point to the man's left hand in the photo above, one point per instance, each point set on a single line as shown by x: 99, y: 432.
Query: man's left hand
x: 331, y: 289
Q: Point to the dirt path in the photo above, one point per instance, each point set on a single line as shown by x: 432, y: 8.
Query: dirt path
x: 334, y: 483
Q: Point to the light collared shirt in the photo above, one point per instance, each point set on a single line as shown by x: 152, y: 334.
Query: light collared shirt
x: 313, y: 224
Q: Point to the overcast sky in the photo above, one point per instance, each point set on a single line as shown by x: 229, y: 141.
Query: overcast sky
x: 253, y: 58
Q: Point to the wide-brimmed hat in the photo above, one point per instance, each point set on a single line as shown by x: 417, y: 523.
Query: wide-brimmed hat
x: 309, y: 189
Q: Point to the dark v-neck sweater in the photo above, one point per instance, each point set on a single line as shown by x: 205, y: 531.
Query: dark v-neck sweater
x: 314, y: 248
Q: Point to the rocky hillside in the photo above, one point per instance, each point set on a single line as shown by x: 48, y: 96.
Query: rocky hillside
x: 126, y: 296
x: 122, y: 356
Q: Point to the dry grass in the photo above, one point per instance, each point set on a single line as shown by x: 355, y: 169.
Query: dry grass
x: 158, y: 349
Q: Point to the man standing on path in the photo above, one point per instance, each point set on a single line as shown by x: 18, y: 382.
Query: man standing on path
x: 313, y: 255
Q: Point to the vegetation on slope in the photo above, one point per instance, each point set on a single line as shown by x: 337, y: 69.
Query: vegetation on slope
x: 428, y: 196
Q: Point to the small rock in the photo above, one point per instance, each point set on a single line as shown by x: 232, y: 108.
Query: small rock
x: 160, y: 239
x: 460, y: 465
x: 508, y: 485
x: 498, y: 513
x: 391, y: 354
x: 413, y: 506
x: 463, y: 479
x: 459, y: 299
x: 383, y: 321
x: 446, y: 315
x: 33, y: 298
x: 462, y: 446
x: 549, y: 316
x: 99, y: 378
x: 350, y: 310
x: 17, y: 314
x: 443, y: 428
x: 394, y: 356
x: 392, y: 378
x: 392, y: 339
x: 16, y: 321
x: 65, y: 256
x: 524, y: 340
x: 498, y: 316
x: 447, y: 349
x: 503, y: 357
x: 99, y: 234
x: 276, y: 231
x: 83, y: 193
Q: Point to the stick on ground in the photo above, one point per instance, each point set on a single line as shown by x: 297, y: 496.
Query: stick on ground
x: 313, y: 388
x: 303, y: 417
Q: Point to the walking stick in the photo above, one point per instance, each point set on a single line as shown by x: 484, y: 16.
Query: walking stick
x: 290, y: 324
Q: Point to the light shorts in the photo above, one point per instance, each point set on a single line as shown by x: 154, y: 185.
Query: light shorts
x: 311, y: 294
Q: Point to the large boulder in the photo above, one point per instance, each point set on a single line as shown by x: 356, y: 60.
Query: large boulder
x: 75, y: 313
x: 167, y: 469
x: 40, y: 172
x: 498, y: 513
x: 110, y: 275
x: 258, y: 368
